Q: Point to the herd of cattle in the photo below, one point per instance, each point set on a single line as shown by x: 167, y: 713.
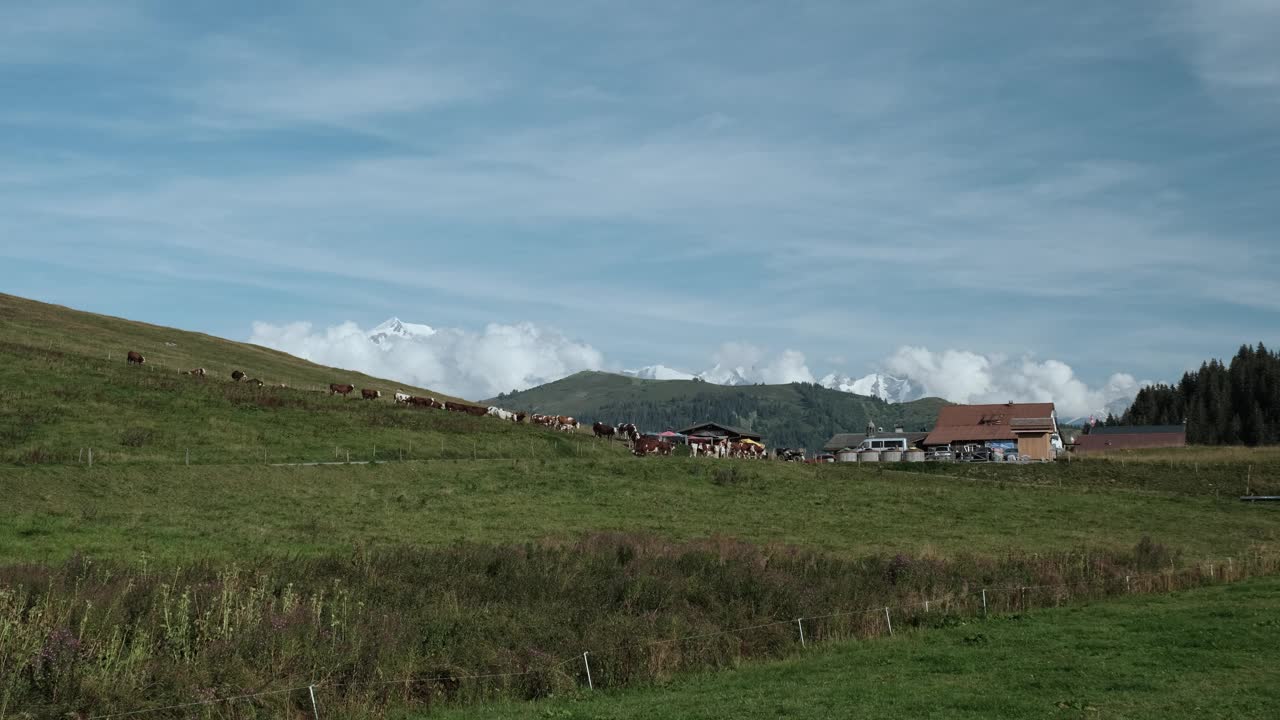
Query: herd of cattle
x: 640, y: 443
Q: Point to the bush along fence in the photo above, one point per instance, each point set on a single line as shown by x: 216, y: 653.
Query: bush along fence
x: 361, y: 635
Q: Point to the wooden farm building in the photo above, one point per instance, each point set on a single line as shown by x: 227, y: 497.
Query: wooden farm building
x: 1026, y: 428
x: 719, y: 430
x: 1134, y: 437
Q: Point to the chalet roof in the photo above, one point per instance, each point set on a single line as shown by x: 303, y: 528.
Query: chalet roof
x: 724, y: 430
x: 1168, y: 436
x: 958, y: 423
x: 1138, y: 430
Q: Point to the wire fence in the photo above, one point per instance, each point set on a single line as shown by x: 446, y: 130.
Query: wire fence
x: 884, y: 620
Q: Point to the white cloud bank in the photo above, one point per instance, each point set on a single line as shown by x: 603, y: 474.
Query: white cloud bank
x: 502, y: 358
x: 966, y: 377
x: 473, y: 365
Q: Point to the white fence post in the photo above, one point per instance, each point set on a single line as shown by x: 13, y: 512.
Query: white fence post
x: 888, y: 621
x: 1127, y: 587
x: 90, y: 457
x: 801, y: 626
x: 984, y: 601
x: 315, y: 709
x: 926, y: 606
x: 587, y: 664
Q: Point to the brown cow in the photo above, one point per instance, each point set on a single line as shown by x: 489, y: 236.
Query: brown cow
x: 135, y: 358
x: 368, y: 394
x: 520, y: 416
x: 629, y: 431
x: 651, y: 446
x: 340, y: 388
x: 475, y: 410
x: 237, y: 375
x: 602, y: 430
x: 197, y: 372
x: 566, y: 423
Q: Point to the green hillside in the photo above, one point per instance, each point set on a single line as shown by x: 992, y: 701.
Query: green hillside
x: 794, y: 415
x: 65, y: 387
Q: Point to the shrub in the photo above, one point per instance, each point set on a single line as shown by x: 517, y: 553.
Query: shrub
x: 732, y: 474
x: 1149, y: 555
x: 136, y: 437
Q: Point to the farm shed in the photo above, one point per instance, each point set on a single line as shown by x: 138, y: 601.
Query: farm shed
x: 719, y: 430
x: 840, y: 441
x: 1027, y: 428
x: 1133, y: 437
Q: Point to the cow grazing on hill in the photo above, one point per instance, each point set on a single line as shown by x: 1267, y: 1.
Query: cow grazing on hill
x: 566, y: 423
x: 602, y: 430
x: 368, y: 394
x: 340, y: 388
x: 237, y: 375
x: 135, y: 358
x: 520, y: 416
x: 254, y: 381
x: 629, y: 431
x: 651, y: 446
x: 196, y: 372
x: 502, y: 414
x: 475, y: 410
x: 402, y: 397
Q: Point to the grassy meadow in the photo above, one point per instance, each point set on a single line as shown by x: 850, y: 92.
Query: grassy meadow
x: 199, y: 557
x: 1204, y: 653
x: 225, y: 511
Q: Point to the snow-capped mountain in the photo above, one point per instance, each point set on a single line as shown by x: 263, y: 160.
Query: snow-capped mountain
x: 720, y: 375
x: 659, y: 372
x: 394, y: 328
x: 1116, y: 407
x: 886, y: 387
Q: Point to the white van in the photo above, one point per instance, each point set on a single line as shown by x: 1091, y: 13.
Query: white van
x: 890, y: 443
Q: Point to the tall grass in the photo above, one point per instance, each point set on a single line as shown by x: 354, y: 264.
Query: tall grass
x: 411, y: 628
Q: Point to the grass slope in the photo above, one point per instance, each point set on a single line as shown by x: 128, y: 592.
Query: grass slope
x: 1203, y: 653
x: 28, y: 325
x: 60, y: 394
x: 793, y: 415
x: 182, y: 513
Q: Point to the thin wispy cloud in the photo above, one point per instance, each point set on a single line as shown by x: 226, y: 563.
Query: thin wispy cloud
x: 840, y: 179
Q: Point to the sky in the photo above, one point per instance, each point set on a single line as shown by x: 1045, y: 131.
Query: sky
x: 821, y: 186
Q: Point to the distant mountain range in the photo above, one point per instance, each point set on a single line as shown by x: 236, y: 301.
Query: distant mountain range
x: 877, y: 385
x: 793, y: 415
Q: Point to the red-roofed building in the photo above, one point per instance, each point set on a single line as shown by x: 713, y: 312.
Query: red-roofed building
x: 1029, y: 429
x: 1131, y: 437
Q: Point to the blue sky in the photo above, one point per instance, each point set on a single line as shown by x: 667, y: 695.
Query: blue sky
x: 1094, y: 183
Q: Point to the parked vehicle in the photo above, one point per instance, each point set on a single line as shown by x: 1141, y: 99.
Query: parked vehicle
x: 976, y: 453
x: 892, y: 443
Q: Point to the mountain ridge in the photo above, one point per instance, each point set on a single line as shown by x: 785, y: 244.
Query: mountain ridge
x: 790, y: 415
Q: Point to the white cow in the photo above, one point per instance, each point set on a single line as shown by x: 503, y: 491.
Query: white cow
x: 402, y: 397
x: 502, y: 414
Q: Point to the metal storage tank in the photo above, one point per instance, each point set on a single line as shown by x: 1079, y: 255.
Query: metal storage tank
x: 847, y: 456
x: 891, y: 456
x: 869, y: 456
x: 914, y: 455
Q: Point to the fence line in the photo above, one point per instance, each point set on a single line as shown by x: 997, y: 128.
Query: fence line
x: 1196, y: 571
